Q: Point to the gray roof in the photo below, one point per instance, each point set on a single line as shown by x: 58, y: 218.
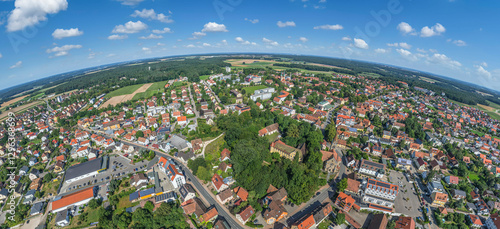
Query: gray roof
x: 83, y: 168
x: 178, y: 142
x: 37, y: 208
x: 459, y: 192
x: 186, y: 189
x: 61, y: 215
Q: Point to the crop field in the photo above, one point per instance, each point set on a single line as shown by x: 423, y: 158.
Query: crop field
x: 124, y: 90
x: 153, y: 89
x: 126, y: 97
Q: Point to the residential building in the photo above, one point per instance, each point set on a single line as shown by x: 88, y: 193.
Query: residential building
x: 169, y: 167
x: 285, y: 150
x: 372, y: 168
x: 405, y: 223
x: 245, y: 214
x: 379, y: 192
x: 344, y: 202
x: 439, y: 199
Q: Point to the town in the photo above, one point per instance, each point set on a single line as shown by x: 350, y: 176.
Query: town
x: 245, y: 148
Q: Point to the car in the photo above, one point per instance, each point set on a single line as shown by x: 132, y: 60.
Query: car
x: 95, y: 181
x: 69, y: 189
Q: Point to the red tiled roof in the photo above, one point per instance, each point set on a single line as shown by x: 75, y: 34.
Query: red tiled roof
x: 73, y: 198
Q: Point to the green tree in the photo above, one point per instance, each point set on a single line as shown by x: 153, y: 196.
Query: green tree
x: 342, y: 185
x: 139, y: 134
x: 203, y: 173
x: 95, y: 203
x: 340, y: 219
x: 331, y: 132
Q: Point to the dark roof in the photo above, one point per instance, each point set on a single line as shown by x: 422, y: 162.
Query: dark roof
x: 83, y: 168
x: 379, y: 221
x: 37, y: 207
x: 61, y: 215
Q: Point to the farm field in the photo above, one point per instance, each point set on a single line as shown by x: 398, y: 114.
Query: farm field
x: 493, y: 110
x: 250, y: 62
x: 250, y: 90
x: 126, y: 97
x: 153, y: 89
x: 19, y: 109
x: 123, y: 91
x: 12, y: 101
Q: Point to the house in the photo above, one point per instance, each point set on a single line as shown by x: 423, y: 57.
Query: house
x: 494, y: 205
x: 493, y: 222
x: 62, y: 218
x: 435, y: 187
x: 29, y: 197
x: 182, y: 120
x: 37, y: 208
x: 225, y: 196
x: 23, y: 170
x: 274, y: 212
x: 269, y: 130
x: 482, y: 208
x: 379, y: 221
x: 36, y: 184
x: 169, y: 168
x: 194, y: 206
x: 458, y: 194
x: 143, y: 141
x: 274, y: 194
x: 4, y: 193
x: 225, y: 155
x: 245, y: 214
x: 344, y: 202
x: 451, y: 180
x: 34, y: 174
x: 420, y: 164
x: 305, y: 222
x: 187, y: 192
x: 402, y: 163
x: 372, y: 168
x: 81, y: 197
x: 139, y: 180
x: 241, y: 193
x: 285, y: 150
x: 218, y: 183
x: 474, y: 221
x: 352, y: 186
x: 405, y: 223
x: 439, y: 199
x: 321, y: 213
x: 209, y: 216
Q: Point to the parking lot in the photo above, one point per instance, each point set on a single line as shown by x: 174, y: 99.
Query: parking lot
x: 118, y: 167
x: 407, y: 202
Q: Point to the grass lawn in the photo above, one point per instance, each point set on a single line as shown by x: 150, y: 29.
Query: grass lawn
x: 473, y: 177
x: 179, y: 83
x: 152, y: 90
x: 212, y: 151
x: 50, y: 187
x: 204, y: 77
x: 124, y: 90
x: 250, y: 90
x: 272, y: 137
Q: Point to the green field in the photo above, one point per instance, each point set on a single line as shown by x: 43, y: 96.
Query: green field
x: 204, y: 77
x: 152, y: 90
x: 250, y: 90
x: 473, y: 177
x: 124, y: 91
x: 492, y: 114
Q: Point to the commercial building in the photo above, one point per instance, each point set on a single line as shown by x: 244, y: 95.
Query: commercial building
x: 372, y: 168
x: 379, y: 192
x: 86, y: 169
x: 62, y: 203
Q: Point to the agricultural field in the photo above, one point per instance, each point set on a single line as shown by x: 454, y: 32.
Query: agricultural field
x: 250, y: 90
x: 126, y: 97
x: 427, y: 79
x: 153, y: 89
x: 493, y: 109
x: 19, y: 109
x: 12, y: 101
x: 123, y: 91
x: 250, y: 62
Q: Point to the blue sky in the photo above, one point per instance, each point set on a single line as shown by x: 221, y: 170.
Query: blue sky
x: 454, y: 38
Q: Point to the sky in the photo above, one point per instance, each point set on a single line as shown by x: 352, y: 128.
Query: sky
x: 453, y: 38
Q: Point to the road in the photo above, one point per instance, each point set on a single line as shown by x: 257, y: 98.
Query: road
x: 193, y: 105
x: 230, y: 219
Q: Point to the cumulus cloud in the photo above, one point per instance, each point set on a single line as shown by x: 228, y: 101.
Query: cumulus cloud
x: 197, y: 35
x: 164, y: 30
x: 206, y: 45
x: 32, y: 12
x: 63, y: 33
x: 285, y: 24
x: 130, y: 27
x: 459, y: 43
x: 303, y: 39
x: 17, y: 65
x: 190, y: 46
x: 435, y: 30
x: 151, y: 36
x: 62, y: 50
x: 214, y: 27
x: 380, y: 50
x: 482, y: 72
x: 360, y: 43
x: 270, y: 42
x: 1, y: 55
x: 130, y: 2
x: 346, y: 39
x: 406, y: 28
x: 329, y: 27
x: 407, y: 54
x: 146, y: 50
x: 244, y: 42
x: 402, y: 45
x: 253, y: 21
x: 442, y: 59
x: 117, y: 37
x: 224, y: 42
x: 152, y: 15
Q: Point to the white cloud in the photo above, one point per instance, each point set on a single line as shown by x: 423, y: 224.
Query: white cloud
x: 435, y: 30
x: 442, y: 59
x: 483, y: 72
x: 62, y: 50
x: 190, y: 46
x: 346, y: 39
x: 380, y: 50
x: 253, y: 21
x: 286, y: 24
x: 244, y: 42
x: 206, y: 45
x: 421, y: 50
x: 303, y: 39
x: 32, y: 12
x: 459, y: 43
x: 402, y: 45
x: 197, y: 35
x: 63, y: 33
x: 484, y: 64
x: 117, y: 37
x: 407, y: 54
x: 165, y: 30
x: 151, y: 15
x: 1, y: 55
x: 17, y: 65
x: 146, y: 50
x: 270, y: 42
x: 360, y: 43
x: 406, y: 28
x: 151, y: 36
x: 214, y: 27
x: 160, y: 44
x: 130, y: 2
x: 329, y: 27
x: 224, y: 42
x: 130, y: 27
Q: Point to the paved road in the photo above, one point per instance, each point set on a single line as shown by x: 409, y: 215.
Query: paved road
x: 222, y: 211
